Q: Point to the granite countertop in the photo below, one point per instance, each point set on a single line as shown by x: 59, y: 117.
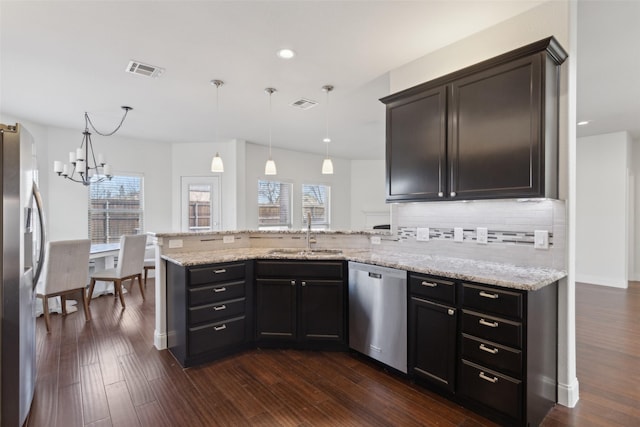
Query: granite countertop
x: 267, y: 232
x: 491, y: 273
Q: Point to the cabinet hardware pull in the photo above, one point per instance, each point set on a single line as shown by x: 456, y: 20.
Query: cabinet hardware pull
x: 304, y: 283
x: 451, y: 312
x: 490, y: 324
x: 486, y: 378
x: 223, y: 289
x: 488, y: 295
x: 219, y: 271
x: 293, y: 283
x: 453, y: 194
x: 219, y: 328
x: 488, y: 350
x: 220, y: 307
x: 429, y: 284
x: 440, y: 194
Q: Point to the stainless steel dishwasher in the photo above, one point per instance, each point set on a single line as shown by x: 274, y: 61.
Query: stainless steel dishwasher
x: 378, y: 313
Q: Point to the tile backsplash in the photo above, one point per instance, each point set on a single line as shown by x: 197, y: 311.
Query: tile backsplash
x: 510, y: 228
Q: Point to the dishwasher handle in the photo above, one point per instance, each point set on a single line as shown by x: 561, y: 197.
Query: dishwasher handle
x: 375, y: 275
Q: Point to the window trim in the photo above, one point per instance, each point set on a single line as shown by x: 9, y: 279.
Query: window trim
x: 277, y: 226
x: 140, y: 211
x: 325, y: 225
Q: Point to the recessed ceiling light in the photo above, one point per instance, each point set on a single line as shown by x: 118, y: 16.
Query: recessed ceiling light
x: 285, y: 53
x: 584, y: 122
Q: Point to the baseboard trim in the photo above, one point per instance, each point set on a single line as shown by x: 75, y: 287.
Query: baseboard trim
x: 602, y: 281
x: 159, y: 340
x: 569, y: 394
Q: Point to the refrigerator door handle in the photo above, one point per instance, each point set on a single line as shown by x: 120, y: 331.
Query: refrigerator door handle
x: 38, y: 200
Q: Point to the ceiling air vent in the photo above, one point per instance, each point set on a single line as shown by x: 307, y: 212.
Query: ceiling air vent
x: 304, y: 104
x: 146, y: 70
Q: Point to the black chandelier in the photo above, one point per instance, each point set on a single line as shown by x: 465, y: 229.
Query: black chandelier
x: 86, y: 168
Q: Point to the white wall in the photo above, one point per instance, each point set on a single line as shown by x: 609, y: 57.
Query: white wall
x: 298, y: 168
x: 194, y: 159
x: 602, y: 224
x: 66, y: 202
x: 368, y: 193
x: 557, y: 18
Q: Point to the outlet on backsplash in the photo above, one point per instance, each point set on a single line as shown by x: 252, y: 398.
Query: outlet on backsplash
x: 482, y: 235
x: 422, y: 234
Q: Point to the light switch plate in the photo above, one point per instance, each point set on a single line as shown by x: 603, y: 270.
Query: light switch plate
x: 422, y: 234
x: 541, y: 239
x: 175, y: 243
x: 458, y: 234
x: 375, y: 240
x: 228, y: 239
x: 482, y: 235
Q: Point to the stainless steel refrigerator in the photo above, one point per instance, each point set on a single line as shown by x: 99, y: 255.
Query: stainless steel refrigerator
x: 22, y: 244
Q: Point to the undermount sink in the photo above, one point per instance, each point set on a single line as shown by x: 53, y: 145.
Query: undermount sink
x: 293, y: 251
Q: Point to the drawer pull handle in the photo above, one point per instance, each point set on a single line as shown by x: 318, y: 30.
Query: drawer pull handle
x: 490, y: 324
x: 429, y: 284
x: 488, y: 350
x: 293, y: 283
x: 223, y: 289
x: 488, y: 295
x: 486, y: 378
x: 219, y: 328
x: 223, y: 270
x: 220, y: 307
x: 451, y: 312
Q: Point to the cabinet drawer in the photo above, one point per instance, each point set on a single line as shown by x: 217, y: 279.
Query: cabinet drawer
x: 216, y: 336
x: 300, y: 269
x: 215, y: 293
x: 216, y: 312
x: 492, y: 328
x: 432, y: 288
x: 492, y: 355
x: 490, y: 388
x: 217, y: 273
x: 491, y: 300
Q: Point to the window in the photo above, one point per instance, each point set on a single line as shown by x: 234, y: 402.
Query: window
x: 315, y: 199
x: 200, y: 207
x: 274, y: 205
x: 115, y: 208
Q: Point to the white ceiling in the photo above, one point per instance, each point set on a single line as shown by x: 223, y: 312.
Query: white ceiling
x: 60, y: 59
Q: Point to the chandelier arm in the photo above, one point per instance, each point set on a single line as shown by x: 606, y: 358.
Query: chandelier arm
x: 88, y: 120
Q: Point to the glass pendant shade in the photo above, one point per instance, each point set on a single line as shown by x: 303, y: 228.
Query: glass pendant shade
x: 270, y: 167
x: 327, y: 167
x: 327, y: 164
x: 216, y: 164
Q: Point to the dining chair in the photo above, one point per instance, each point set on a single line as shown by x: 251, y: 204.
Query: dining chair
x: 149, y: 264
x: 129, y: 267
x: 65, y: 271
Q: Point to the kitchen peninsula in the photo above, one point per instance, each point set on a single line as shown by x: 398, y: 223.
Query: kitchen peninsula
x: 518, y: 304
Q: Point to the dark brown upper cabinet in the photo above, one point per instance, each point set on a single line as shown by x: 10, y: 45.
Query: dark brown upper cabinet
x: 486, y: 131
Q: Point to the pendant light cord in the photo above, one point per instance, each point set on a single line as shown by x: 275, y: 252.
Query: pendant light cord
x: 270, y: 115
x: 87, y: 121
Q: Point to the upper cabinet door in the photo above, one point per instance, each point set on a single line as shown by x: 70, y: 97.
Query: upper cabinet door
x: 496, y: 146
x: 416, y: 146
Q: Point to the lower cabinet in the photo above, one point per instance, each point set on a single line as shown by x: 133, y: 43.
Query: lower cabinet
x: 491, y: 349
x: 301, y: 304
x: 432, y: 332
x: 209, y: 311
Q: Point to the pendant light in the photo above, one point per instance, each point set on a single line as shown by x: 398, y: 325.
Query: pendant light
x: 327, y: 164
x: 270, y: 166
x: 216, y: 162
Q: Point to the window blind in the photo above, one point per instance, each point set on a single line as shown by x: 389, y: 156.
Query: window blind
x: 274, y: 204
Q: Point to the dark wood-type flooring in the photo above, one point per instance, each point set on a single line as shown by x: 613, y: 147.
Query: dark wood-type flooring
x: 107, y: 372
